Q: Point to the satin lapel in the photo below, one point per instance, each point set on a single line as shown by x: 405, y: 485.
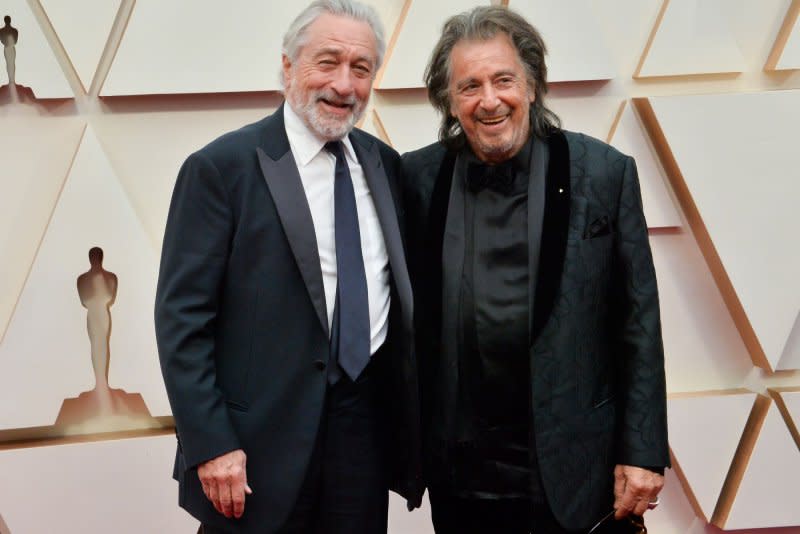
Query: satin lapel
x: 287, y: 191
x: 555, y: 226
x: 452, y: 257
x: 370, y: 159
x: 430, y: 274
x: 536, y: 203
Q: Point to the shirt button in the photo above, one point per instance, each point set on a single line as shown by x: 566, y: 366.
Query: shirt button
x: 319, y: 364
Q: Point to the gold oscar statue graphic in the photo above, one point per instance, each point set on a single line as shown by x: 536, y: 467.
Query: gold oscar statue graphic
x: 103, y: 409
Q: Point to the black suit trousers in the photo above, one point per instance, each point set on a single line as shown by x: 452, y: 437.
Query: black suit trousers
x: 345, y: 490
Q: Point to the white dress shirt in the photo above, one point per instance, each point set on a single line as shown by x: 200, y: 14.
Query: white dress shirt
x: 317, y: 167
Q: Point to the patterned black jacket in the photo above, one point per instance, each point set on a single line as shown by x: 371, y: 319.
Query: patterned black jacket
x: 597, y: 363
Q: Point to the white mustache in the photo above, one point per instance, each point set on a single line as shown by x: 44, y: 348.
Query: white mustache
x: 333, y: 98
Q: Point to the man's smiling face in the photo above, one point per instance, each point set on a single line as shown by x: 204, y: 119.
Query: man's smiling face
x: 328, y: 84
x: 490, y: 96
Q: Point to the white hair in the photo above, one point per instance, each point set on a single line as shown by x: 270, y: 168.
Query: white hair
x: 296, y: 36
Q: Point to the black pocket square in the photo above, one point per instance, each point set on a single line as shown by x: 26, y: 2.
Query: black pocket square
x: 598, y: 227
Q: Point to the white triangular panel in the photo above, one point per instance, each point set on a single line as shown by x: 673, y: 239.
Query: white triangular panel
x: 146, y: 151
x: 629, y: 137
x: 409, y: 125
x: 694, y: 37
x: 575, y: 42
x: 36, y: 66
x: 589, y: 115
x: 207, y: 48
x: 418, y: 35
x: 747, y: 202
x: 790, y: 57
x: 716, y: 422
x: 790, y: 360
x: 90, y: 488
x: 702, y: 348
x: 626, y: 27
x: 767, y: 496
x: 792, y: 400
x: 46, y: 355
x: 40, y: 151
x: 83, y: 42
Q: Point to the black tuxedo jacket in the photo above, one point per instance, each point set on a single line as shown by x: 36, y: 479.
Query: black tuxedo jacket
x: 596, y: 357
x: 242, y: 326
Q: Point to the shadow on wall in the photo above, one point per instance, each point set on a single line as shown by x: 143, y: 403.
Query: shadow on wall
x: 102, y: 409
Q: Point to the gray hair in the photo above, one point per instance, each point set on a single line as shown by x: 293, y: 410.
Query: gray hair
x: 481, y: 24
x: 297, y: 36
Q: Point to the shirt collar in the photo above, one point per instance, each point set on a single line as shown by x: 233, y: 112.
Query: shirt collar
x: 304, y: 142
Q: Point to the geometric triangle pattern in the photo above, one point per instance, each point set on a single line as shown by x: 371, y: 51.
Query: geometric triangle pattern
x: 690, y: 37
x: 146, y: 151
x: 40, y: 151
x: 84, y: 43
x: 414, y: 39
x: 716, y: 421
x: 630, y: 138
x: 785, y: 53
x: 767, y: 494
x: 575, y: 43
x: 46, y: 354
x: 590, y: 115
x: 36, y: 66
x: 394, y: 118
x: 219, y: 50
x: 745, y: 205
x: 691, y: 309
x: 791, y: 352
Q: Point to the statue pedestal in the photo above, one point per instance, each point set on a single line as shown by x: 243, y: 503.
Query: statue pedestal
x: 108, y: 410
x: 16, y: 94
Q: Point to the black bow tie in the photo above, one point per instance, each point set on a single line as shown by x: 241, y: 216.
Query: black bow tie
x: 498, y: 178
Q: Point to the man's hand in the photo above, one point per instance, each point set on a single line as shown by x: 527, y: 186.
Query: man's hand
x: 224, y: 481
x: 634, y: 489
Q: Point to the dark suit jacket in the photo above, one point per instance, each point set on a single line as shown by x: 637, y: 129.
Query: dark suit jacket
x: 596, y: 358
x: 242, y: 326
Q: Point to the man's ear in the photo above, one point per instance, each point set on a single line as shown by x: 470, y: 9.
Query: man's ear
x: 286, y: 67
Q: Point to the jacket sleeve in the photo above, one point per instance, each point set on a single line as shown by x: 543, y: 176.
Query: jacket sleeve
x: 193, y: 262
x: 640, y: 353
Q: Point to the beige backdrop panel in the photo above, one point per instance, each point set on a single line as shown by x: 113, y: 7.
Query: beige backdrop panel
x: 171, y: 48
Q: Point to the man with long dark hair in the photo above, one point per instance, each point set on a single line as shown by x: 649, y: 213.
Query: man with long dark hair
x: 536, y: 304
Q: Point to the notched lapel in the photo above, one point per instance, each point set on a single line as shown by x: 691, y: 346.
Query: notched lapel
x: 286, y: 188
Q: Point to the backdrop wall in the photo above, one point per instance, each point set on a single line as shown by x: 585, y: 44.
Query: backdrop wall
x: 110, y: 97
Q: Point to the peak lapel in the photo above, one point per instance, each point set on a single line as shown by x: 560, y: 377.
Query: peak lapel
x: 286, y: 188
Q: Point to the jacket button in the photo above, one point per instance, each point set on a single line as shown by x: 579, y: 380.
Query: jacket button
x: 319, y: 364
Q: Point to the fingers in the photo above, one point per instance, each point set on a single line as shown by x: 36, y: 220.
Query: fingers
x: 620, y: 498
x: 213, y: 496
x: 224, y: 483
x: 226, y: 500
x: 635, y: 488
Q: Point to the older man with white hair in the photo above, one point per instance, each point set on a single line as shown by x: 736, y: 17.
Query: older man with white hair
x: 283, y: 312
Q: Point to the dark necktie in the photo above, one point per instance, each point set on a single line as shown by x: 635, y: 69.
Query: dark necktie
x: 353, y: 347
